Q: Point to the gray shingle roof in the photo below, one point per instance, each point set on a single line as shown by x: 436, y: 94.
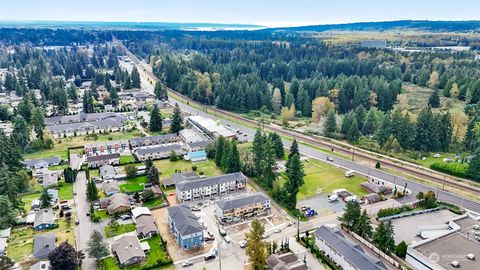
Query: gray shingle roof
x: 352, y: 253
x: 145, y: 224
x: 127, y: 247
x: 156, y: 139
x: 44, y: 216
x: 103, y: 157
x: 33, y: 162
x: 107, y: 171
x: 229, y: 204
x: 110, y: 186
x: 43, y: 245
x: 209, y: 181
x: 158, y: 149
x: 87, y: 126
x: 185, y: 221
x: 82, y: 117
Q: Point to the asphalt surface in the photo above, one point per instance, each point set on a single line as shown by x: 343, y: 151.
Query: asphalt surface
x: 84, y: 230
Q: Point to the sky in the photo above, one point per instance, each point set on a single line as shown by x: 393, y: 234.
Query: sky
x: 261, y: 12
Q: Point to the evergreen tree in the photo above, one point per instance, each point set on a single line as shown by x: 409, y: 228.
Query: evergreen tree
x: 160, y: 91
x: 72, y: 93
x: 114, y: 96
x: 353, y: 134
x: 434, y: 99
x: 384, y: 130
x: 92, y: 191
x: 21, y: 132
x: 257, y: 248
x: 97, y: 247
x: 233, y: 159
x: 363, y: 226
x: 257, y: 150
x: 45, y: 199
x: 425, y: 135
x: 153, y: 175
x: 177, y: 120
x: 7, y: 213
x: 24, y: 108
x: 346, y: 123
x: 127, y: 82
x: 38, y: 122
x: 155, y: 120
x: 220, y: 146
x: 135, y: 78
x: 295, y: 175
x: 474, y: 166
x: 277, y: 141
x: 360, y: 115
x: 88, y: 102
x: 304, y: 103
x: 444, y: 130
x: 370, y: 125
x: 268, y: 174
x: 384, y: 237
x: 330, y: 124
x: 349, y: 219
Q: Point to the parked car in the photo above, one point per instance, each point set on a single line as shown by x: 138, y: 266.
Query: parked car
x: 77, y: 222
x: 305, y: 208
x: 196, y: 208
x: 310, y: 213
x: 125, y: 217
x: 88, y: 213
x: 66, y: 207
x: 348, y: 174
x: 222, y: 232
x: 187, y: 263
x: 332, y: 197
x: 243, y: 243
x: 209, y: 256
x: 277, y: 230
x: 227, y: 239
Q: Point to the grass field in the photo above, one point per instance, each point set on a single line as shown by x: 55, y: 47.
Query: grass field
x: 324, y: 178
x: 65, y: 192
x: 27, y: 200
x: 102, y: 214
x: 155, y: 202
x: 134, y: 185
x: 168, y: 168
x: 58, y: 167
x: 121, y: 229
x: 126, y: 159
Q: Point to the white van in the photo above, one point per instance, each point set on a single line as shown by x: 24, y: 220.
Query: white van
x: 333, y: 198
x: 352, y: 198
x: 348, y: 174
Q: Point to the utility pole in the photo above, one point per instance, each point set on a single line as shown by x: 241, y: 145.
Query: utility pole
x: 219, y: 258
x: 298, y: 228
x: 353, y: 153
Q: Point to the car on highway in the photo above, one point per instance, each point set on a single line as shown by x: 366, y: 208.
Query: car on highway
x: 227, y: 239
x: 265, y: 235
x: 77, y: 222
x: 209, y: 256
x: 187, y: 263
x: 222, y: 232
x: 277, y: 230
x: 329, y: 158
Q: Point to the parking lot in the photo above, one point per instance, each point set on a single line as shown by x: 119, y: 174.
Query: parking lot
x: 321, y: 205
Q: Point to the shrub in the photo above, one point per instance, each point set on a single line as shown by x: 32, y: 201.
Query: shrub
x: 456, y: 169
x: 386, y: 212
x: 377, y: 165
x: 401, y: 249
x: 194, y: 168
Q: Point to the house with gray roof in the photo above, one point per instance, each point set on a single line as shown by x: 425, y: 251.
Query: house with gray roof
x: 107, y: 172
x: 97, y: 161
x: 128, y: 250
x: 185, y: 227
x: 154, y: 140
x: 44, y: 219
x: 49, y: 179
x: 190, y: 190
x: 43, y: 245
x: 53, y: 195
x: 42, y: 163
x: 158, y: 151
x: 118, y: 203
x: 110, y: 187
x: 285, y: 261
x: 345, y: 253
x: 241, y: 207
x: 146, y: 226
x: 83, y: 123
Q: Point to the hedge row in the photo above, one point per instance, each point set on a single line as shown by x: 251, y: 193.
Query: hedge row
x: 456, y: 169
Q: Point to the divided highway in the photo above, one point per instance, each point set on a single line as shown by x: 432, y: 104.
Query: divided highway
x: 186, y: 105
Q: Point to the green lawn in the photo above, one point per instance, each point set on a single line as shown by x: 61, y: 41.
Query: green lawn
x: 120, y: 229
x: 27, y: 200
x: 430, y: 160
x: 155, y: 202
x: 58, y: 167
x: 168, y: 168
x: 126, y: 159
x: 108, y: 264
x: 65, y: 192
x: 102, y: 214
x: 324, y: 178
x: 134, y: 185
x: 94, y: 172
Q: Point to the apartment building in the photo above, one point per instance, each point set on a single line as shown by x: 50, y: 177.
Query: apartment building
x: 241, y: 207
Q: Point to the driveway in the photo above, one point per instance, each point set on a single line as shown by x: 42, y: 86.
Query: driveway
x: 84, y: 230
x: 76, y: 161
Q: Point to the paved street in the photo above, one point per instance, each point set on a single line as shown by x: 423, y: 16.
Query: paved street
x: 86, y: 227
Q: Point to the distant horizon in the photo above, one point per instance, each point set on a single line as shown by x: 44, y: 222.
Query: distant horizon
x: 268, y: 13
x: 245, y: 25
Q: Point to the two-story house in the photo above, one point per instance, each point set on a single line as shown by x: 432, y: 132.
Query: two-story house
x: 185, y: 227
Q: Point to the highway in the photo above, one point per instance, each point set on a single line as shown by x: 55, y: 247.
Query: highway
x: 185, y: 104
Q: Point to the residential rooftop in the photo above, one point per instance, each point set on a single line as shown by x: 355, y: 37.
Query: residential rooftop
x: 241, y: 201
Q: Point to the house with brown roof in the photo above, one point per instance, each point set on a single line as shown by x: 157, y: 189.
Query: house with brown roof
x: 118, y: 203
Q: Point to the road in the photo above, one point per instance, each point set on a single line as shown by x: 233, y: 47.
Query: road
x: 86, y: 226
x: 415, y: 187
